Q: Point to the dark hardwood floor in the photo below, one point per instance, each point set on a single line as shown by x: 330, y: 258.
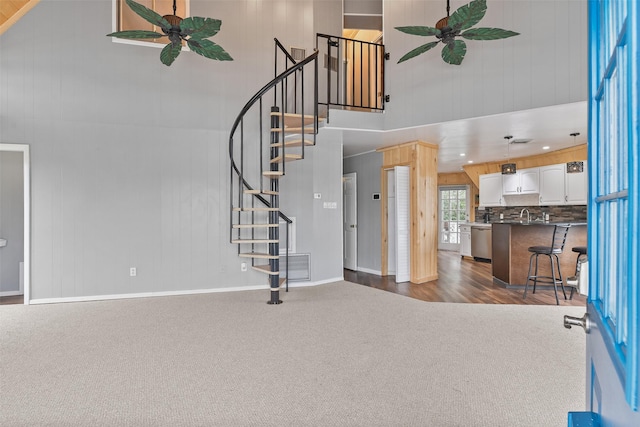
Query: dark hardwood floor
x: 463, y: 280
x: 15, y: 299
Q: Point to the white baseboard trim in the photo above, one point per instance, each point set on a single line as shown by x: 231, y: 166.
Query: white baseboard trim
x: 144, y: 295
x: 320, y: 282
x: 370, y: 271
x: 174, y: 293
x: 10, y: 293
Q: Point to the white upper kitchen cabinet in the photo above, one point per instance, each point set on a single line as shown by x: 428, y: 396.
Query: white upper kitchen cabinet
x: 552, y: 185
x: 491, y: 190
x: 576, y: 187
x: 524, y: 181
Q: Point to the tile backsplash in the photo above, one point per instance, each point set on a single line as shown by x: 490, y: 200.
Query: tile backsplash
x: 556, y: 213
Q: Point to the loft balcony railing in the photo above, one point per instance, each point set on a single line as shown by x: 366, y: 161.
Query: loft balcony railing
x: 354, y: 72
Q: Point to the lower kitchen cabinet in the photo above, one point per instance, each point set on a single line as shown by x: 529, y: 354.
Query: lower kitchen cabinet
x: 465, y: 240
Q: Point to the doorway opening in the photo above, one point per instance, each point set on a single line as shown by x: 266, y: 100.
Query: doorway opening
x: 15, y: 217
x: 453, y: 208
x: 350, y: 221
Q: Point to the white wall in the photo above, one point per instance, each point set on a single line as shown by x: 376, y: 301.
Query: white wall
x: 545, y: 65
x: 130, y: 157
x: 367, y: 166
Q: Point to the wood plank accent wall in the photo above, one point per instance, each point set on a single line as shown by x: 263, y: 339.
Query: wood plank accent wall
x: 422, y: 158
x: 571, y: 154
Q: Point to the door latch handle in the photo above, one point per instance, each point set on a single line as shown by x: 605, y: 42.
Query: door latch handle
x: 583, y: 321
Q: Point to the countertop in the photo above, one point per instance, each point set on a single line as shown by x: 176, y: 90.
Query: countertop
x: 541, y: 222
x: 480, y: 224
x: 525, y: 223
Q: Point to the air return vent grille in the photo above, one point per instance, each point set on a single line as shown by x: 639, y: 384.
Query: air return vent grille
x: 299, y: 267
x: 298, y: 53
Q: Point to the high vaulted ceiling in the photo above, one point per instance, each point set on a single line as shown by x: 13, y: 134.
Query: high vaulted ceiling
x: 12, y: 10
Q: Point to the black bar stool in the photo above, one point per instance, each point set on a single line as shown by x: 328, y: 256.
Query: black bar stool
x: 582, y: 252
x: 557, y: 246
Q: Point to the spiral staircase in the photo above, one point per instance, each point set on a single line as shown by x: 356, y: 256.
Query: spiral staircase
x: 258, y: 162
x: 273, y: 128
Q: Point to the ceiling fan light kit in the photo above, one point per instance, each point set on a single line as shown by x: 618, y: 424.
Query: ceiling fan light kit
x: 457, y: 25
x: 194, y: 31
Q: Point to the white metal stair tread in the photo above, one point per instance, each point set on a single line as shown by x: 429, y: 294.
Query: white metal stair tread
x: 288, y: 158
x: 292, y: 119
x: 265, y: 269
x: 295, y: 130
x: 254, y: 225
x: 242, y: 241
x: 267, y: 192
x: 292, y: 143
x: 258, y: 255
x: 255, y: 209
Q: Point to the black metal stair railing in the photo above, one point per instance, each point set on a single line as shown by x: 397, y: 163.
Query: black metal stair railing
x: 355, y: 73
x: 249, y: 154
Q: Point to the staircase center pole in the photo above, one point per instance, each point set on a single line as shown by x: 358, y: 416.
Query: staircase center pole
x: 274, y: 248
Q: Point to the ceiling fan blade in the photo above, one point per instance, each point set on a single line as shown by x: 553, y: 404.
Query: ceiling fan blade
x: 488, y: 34
x: 149, y: 15
x: 453, y: 53
x: 136, y: 34
x: 468, y: 15
x: 419, y: 31
x: 208, y: 49
x: 418, y: 51
x: 200, y: 28
x: 170, y: 52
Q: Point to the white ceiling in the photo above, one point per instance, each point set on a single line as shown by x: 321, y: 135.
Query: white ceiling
x: 481, y: 139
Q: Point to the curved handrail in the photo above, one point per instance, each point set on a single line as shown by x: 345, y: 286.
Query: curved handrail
x: 286, y: 53
x: 250, y: 104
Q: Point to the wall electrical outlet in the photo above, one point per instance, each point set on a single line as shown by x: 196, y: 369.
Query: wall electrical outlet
x: 133, y: 271
x: 243, y: 266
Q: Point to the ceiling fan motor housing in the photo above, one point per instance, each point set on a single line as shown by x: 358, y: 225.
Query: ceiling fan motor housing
x: 173, y: 20
x: 442, y: 23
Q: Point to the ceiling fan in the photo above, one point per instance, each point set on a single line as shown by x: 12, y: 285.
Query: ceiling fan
x: 194, y: 31
x: 450, y: 27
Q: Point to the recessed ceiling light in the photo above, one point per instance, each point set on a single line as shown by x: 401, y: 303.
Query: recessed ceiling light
x: 462, y: 154
x: 470, y: 161
x: 546, y: 147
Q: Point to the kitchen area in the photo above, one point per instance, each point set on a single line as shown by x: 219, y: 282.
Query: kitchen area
x: 519, y: 210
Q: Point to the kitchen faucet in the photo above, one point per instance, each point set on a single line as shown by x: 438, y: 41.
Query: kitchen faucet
x: 528, y: 216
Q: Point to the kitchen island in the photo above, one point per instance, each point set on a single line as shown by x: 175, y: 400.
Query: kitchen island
x: 510, y: 257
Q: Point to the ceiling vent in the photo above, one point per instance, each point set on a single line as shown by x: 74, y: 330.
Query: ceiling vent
x: 521, y: 141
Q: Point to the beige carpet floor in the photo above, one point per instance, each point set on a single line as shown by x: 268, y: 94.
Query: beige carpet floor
x: 333, y: 355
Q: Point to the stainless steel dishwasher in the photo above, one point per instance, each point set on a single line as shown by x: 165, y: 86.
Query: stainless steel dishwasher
x: 481, y: 242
